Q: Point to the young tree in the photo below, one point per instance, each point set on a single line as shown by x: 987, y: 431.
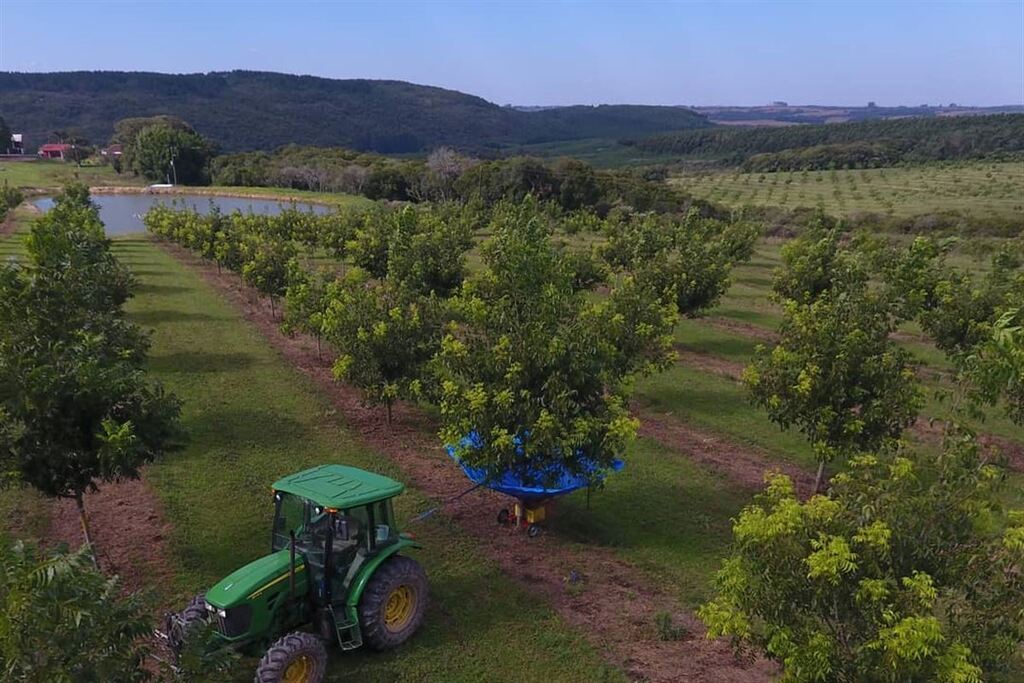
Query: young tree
x: 305, y: 302
x: 836, y: 375
x: 76, y: 406
x: 534, y: 367
x: 906, y: 571
x: 813, y: 262
x: 384, y: 334
x: 428, y: 254
x: 686, y: 261
x: 265, y: 265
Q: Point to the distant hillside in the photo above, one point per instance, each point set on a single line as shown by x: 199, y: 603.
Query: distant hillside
x: 781, y: 114
x: 841, y: 145
x: 248, y: 110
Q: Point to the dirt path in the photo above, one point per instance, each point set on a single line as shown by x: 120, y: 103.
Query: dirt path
x: 616, y: 607
x: 743, y: 464
x: 706, y: 362
x: 129, y: 531
x: 757, y: 332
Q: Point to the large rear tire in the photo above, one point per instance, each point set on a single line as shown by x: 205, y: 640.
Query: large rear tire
x: 298, y: 657
x: 393, y: 604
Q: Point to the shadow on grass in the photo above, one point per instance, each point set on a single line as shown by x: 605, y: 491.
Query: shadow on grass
x: 170, y: 316
x: 150, y: 288
x: 188, y: 362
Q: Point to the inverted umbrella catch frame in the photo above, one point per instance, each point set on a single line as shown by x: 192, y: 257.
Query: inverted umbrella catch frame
x: 530, y: 499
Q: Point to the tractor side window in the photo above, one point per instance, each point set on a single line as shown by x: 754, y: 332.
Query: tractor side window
x: 384, y: 519
x: 363, y: 516
x: 290, y: 515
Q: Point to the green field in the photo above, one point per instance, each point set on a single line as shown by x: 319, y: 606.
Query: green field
x: 984, y: 189
x: 43, y: 175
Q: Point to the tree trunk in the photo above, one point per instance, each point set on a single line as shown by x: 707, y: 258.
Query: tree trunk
x: 84, y: 519
x: 817, y: 478
x: 273, y: 313
x: 319, y: 353
x: 388, y: 402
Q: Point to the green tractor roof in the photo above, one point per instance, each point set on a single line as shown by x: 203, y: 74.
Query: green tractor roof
x: 338, y: 486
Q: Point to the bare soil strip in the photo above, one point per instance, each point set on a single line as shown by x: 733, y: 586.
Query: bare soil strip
x: 706, y: 362
x: 742, y: 464
x: 616, y: 607
x: 745, y: 329
x: 130, y: 533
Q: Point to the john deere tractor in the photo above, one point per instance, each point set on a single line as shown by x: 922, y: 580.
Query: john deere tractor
x: 335, y: 573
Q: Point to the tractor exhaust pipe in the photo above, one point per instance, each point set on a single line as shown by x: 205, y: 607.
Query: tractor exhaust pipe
x: 291, y: 566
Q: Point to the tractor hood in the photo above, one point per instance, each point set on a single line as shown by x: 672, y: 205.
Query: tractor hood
x: 253, y: 580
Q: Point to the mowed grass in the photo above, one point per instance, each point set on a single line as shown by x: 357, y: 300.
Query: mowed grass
x: 981, y: 188
x: 251, y: 419
x: 48, y: 174
x: 664, y: 513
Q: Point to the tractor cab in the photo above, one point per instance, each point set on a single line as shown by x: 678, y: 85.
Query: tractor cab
x: 334, y: 567
x: 340, y: 518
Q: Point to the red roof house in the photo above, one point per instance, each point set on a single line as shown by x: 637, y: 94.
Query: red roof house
x: 54, y: 151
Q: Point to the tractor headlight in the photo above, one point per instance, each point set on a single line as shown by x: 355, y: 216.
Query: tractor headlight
x: 221, y: 613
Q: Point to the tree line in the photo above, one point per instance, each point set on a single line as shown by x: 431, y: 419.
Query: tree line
x: 862, y: 144
x: 518, y: 352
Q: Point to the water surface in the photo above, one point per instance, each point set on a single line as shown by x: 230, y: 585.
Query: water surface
x: 122, y: 213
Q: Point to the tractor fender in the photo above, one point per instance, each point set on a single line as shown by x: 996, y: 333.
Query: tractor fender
x: 366, y: 571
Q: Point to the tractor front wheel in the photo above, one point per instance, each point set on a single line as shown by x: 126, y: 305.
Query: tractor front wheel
x: 181, y: 625
x: 392, y: 606
x: 298, y: 657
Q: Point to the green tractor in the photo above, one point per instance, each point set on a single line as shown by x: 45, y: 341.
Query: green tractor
x: 334, y: 574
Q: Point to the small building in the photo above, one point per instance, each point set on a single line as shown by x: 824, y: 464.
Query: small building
x: 113, y: 152
x: 16, y: 146
x: 53, y: 150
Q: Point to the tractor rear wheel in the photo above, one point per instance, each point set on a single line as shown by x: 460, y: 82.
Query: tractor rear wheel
x: 392, y: 606
x: 298, y: 657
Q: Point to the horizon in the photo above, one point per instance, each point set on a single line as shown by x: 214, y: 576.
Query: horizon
x: 693, y: 54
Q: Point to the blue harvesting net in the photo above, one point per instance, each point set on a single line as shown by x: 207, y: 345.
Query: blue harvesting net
x: 533, y: 483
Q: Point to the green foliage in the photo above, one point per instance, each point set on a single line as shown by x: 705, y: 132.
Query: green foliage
x: 812, y: 263
x: 265, y: 263
x: 305, y: 301
x: 995, y: 367
x: 10, y: 197
x: 422, y: 248
x: 385, y: 335
x: 64, y: 622
x: 164, y: 153
x: 684, y: 260
x: 835, y: 374
x: 535, y: 368
x: 903, y: 572
x: 845, y: 145
x: 961, y: 305
x: 75, y: 402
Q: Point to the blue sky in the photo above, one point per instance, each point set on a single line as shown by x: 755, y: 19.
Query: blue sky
x: 557, y: 52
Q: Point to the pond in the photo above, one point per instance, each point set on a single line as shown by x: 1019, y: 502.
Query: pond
x: 122, y: 213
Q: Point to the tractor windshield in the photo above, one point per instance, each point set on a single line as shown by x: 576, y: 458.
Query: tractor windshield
x: 295, y: 514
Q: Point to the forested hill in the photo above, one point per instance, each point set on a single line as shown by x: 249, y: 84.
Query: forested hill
x: 248, y: 110
x: 838, y: 145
